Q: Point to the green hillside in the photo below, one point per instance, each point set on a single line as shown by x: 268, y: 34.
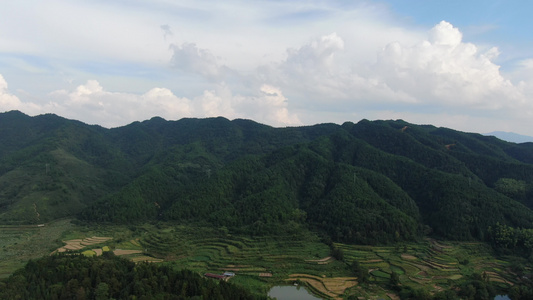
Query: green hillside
x: 371, y: 182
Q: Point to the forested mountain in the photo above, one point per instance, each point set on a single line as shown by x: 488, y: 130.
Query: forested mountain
x: 366, y: 182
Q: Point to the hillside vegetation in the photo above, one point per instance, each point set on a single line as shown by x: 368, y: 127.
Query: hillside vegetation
x: 371, y: 182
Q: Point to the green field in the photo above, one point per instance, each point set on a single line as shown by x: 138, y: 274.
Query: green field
x: 20, y: 243
x: 261, y: 262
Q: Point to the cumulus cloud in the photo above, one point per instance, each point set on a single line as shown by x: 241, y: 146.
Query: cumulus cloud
x: 272, y: 107
x: 446, y: 71
x: 267, y: 105
x: 91, y: 103
x: 523, y: 76
x: 316, y: 56
x: 189, y: 58
x: 319, y: 75
x: 441, y: 71
x: 219, y: 102
x: 7, y: 101
x: 445, y: 34
x: 311, y: 72
x: 453, y: 78
x: 463, y: 85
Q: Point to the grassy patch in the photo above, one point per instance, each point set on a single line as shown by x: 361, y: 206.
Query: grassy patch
x: 88, y: 253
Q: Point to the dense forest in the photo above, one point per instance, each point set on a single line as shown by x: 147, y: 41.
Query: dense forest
x: 371, y: 182
x: 110, y: 277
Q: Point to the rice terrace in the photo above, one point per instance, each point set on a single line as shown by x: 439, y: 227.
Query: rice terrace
x: 262, y: 262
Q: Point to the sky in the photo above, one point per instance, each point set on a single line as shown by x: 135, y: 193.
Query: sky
x: 465, y: 65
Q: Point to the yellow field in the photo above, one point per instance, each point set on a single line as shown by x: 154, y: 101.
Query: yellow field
x: 126, y: 252
x: 78, y: 244
x: 331, y: 287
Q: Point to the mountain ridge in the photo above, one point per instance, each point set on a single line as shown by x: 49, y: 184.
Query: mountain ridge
x: 511, y: 137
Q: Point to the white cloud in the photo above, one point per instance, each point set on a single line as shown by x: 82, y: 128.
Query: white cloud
x: 316, y: 56
x: 217, y: 103
x: 7, y: 101
x: 447, y: 72
x: 441, y: 71
x: 91, y: 103
x: 267, y: 105
x: 188, y: 57
x: 273, y: 98
x: 523, y: 75
x: 445, y: 34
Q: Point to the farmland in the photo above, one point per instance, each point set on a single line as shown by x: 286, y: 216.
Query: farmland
x: 261, y: 262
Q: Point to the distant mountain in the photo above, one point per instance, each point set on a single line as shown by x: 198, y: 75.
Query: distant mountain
x: 510, y: 136
x: 367, y: 182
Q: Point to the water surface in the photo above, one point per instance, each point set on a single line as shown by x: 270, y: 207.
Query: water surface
x: 291, y: 292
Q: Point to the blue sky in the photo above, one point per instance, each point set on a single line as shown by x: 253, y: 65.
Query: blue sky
x: 467, y: 65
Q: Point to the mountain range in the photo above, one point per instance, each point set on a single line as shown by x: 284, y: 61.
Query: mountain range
x: 371, y: 182
x: 511, y: 137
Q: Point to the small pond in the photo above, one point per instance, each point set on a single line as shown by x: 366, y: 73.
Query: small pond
x: 502, y: 297
x: 291, y: 292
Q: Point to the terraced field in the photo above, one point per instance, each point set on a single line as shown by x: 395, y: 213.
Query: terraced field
x: 78, y: 244
x: 432, y: 264
x: 262, y: 262
x: 265, y: 261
